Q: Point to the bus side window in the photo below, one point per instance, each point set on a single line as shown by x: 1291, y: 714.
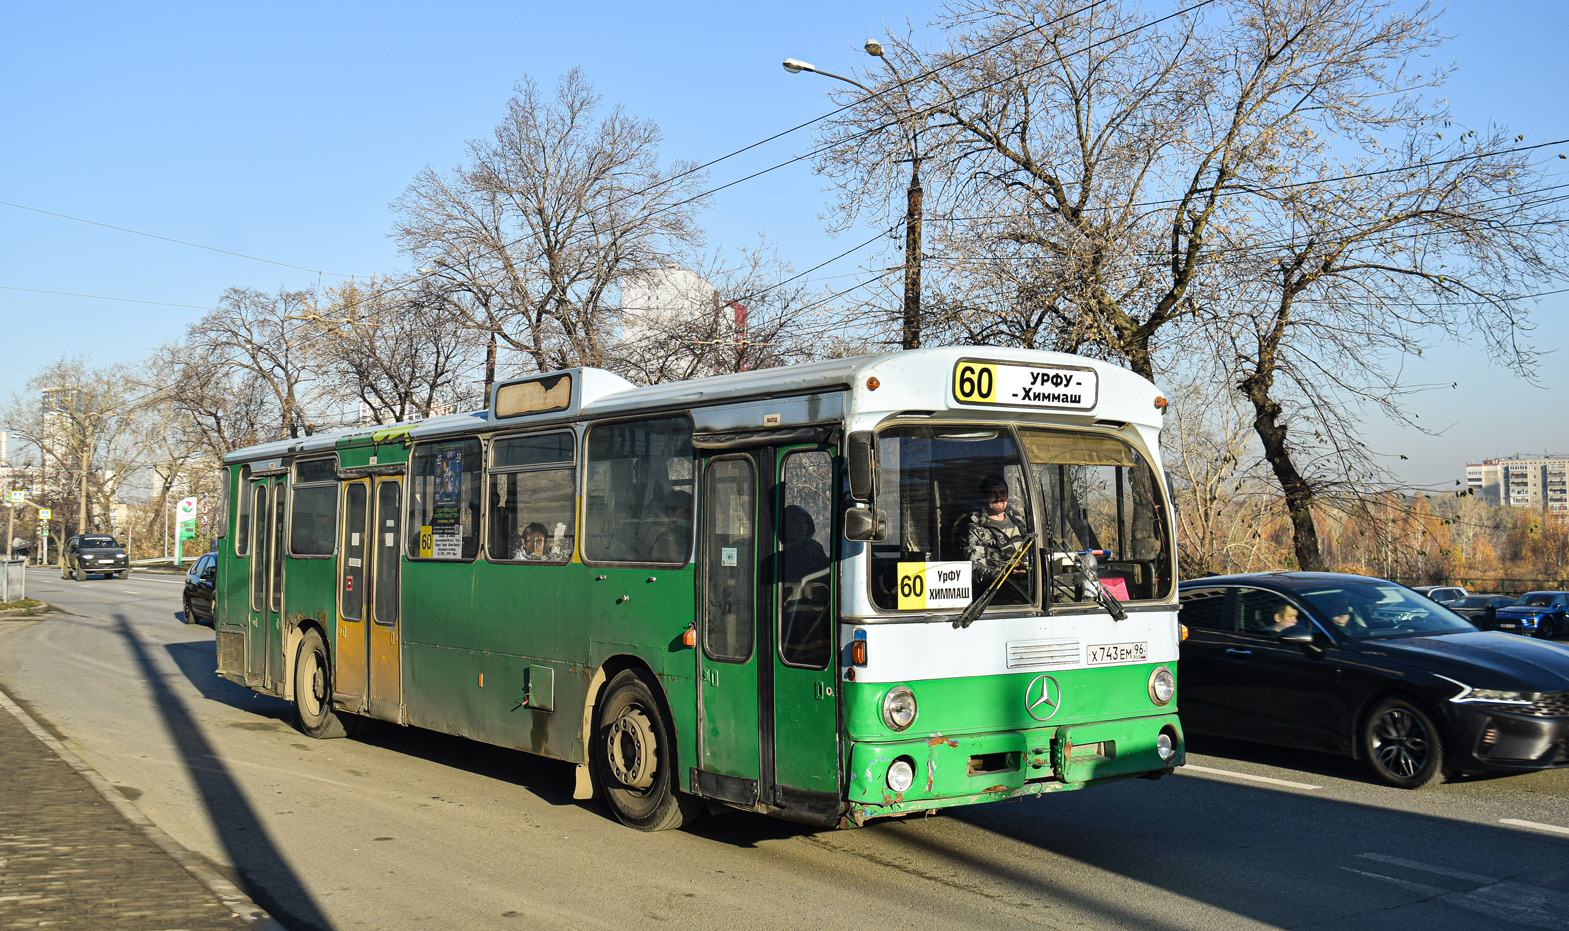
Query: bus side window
x: 533, y: 498
x: 805, y: 544
x: 638, y: 493
x: 444, y: 488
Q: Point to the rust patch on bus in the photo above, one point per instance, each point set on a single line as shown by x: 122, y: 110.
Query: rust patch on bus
x: 939, y: 741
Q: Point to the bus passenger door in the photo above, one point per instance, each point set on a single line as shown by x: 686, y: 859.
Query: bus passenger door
x: 768, y: 717
x: 803, y: 589
x: 384, y: 691
x: 263, y: 650
x: 353, y: 644
x: 729, y: 748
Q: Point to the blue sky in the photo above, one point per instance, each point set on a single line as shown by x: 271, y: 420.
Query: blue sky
x: 284, y: 130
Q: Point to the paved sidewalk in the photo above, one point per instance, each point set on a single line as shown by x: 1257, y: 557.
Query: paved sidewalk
x: 71, y: 859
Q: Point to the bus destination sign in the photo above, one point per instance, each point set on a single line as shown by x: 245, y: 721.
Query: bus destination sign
x: 1025, y: 385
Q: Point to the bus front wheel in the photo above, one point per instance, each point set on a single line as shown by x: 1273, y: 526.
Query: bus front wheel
x: 313, y: 689
x: 636, y: 760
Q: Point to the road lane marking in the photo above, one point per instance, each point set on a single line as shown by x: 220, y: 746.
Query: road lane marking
x: 1510, y: 902
x: 1428, y: 868
x: 1194, y: 767
x: 1406, y: 884
x: 1534, y: 825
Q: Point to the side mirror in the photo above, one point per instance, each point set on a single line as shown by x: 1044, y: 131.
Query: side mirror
x: 860, y: 450
x: 865, y: 525
x: 1297, y: 636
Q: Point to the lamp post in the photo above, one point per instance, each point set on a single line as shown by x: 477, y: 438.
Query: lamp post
x: 910, y: 337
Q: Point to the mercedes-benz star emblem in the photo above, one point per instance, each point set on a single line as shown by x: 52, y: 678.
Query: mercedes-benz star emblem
x: 1041, y: 697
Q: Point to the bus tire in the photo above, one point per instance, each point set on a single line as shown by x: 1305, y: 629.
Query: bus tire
x: 633, y: 753
x: 313, y: 689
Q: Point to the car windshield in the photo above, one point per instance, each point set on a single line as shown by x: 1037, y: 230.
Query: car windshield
x: 1375, y: 609
x: 961, y: 498
x: 1536, y: 600
x: 98, y: 543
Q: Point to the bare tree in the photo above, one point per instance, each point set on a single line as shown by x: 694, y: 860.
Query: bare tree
x: 533, y: 234
x: 271, y: 337
x: 211, y: 408
x: 77, y: 419
x: 1085, y: 159
x: 1366, y: 268
x: 393, y: 346
x: 730, y: 314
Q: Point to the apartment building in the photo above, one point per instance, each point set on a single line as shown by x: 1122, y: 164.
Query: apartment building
x: 1522, y: 482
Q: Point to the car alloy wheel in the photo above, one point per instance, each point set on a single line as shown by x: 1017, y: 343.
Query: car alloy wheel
x: 1402, y: 745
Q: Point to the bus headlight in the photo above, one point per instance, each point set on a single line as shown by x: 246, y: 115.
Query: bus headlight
x: 1165, y: 746
x: 901, y: 775
x: 899, y: 708
x: 1163, y: 686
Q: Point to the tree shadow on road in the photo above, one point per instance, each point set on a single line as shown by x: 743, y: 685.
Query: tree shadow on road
x: 264, y: 873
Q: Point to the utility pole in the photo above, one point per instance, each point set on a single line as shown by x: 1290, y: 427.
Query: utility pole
x: 910, y: 328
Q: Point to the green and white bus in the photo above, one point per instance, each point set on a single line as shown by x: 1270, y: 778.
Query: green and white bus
x: 761, y: 590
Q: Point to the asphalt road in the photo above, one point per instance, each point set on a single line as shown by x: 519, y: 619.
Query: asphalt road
x: 406, y: 829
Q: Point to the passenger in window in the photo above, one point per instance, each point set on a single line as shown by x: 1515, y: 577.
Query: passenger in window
x: 673, y: 538
x: 532, y: 547
x: 992, y: 533
x: 1284, y: 618
x: 802, y: 554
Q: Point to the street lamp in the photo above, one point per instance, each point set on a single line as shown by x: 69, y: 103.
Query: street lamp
x: 911, y: 335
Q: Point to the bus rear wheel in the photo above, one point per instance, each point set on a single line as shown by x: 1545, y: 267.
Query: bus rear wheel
x: 313, y: 689
x: 636, y: 760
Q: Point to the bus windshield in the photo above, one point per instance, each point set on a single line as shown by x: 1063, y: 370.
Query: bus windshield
x: 968, y: 497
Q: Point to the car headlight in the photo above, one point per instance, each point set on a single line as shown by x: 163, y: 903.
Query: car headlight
x: 1469, y: 695
x: 1162, y: 686
x: 899, y: 708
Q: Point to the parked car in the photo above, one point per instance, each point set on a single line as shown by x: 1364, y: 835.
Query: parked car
x: 1367, y: 668
x: 1537, y: 614
x: 1443, y: 594
x: 1481, y: 610
x: 89, y: 553
x: 200, y: 585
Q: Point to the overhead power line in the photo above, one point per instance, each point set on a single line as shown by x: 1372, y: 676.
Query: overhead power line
x: 179, y: 242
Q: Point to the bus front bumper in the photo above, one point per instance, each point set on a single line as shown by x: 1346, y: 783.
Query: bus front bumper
x: 964, y: 770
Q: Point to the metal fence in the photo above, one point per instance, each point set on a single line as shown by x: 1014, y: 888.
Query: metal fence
x: 1495, y: 586
x: 13, y: 580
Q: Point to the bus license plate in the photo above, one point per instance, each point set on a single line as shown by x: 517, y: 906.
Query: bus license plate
x: 1101, y: 653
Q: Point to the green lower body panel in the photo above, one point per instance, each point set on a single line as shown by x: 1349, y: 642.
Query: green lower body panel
x: 991, y: 767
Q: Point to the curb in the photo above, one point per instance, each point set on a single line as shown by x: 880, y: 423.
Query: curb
x: 44, y: 609
x: 231, y: 896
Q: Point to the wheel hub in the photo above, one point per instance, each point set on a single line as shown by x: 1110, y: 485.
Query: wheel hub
x: 1401, y: 744
x: 633, y: 749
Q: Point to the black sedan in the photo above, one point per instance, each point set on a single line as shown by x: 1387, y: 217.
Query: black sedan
x: 1370, y: 669
x: 1481, y: 610
x: 1537, y: 614
x: 199, y: 587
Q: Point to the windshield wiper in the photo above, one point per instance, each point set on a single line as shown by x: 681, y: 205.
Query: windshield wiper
x: 1089, y: 572
x: 973, y: 610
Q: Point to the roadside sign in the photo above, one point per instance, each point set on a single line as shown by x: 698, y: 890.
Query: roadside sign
x: 18, y: 497
x: 186, y: 510
x: 44, y: 513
